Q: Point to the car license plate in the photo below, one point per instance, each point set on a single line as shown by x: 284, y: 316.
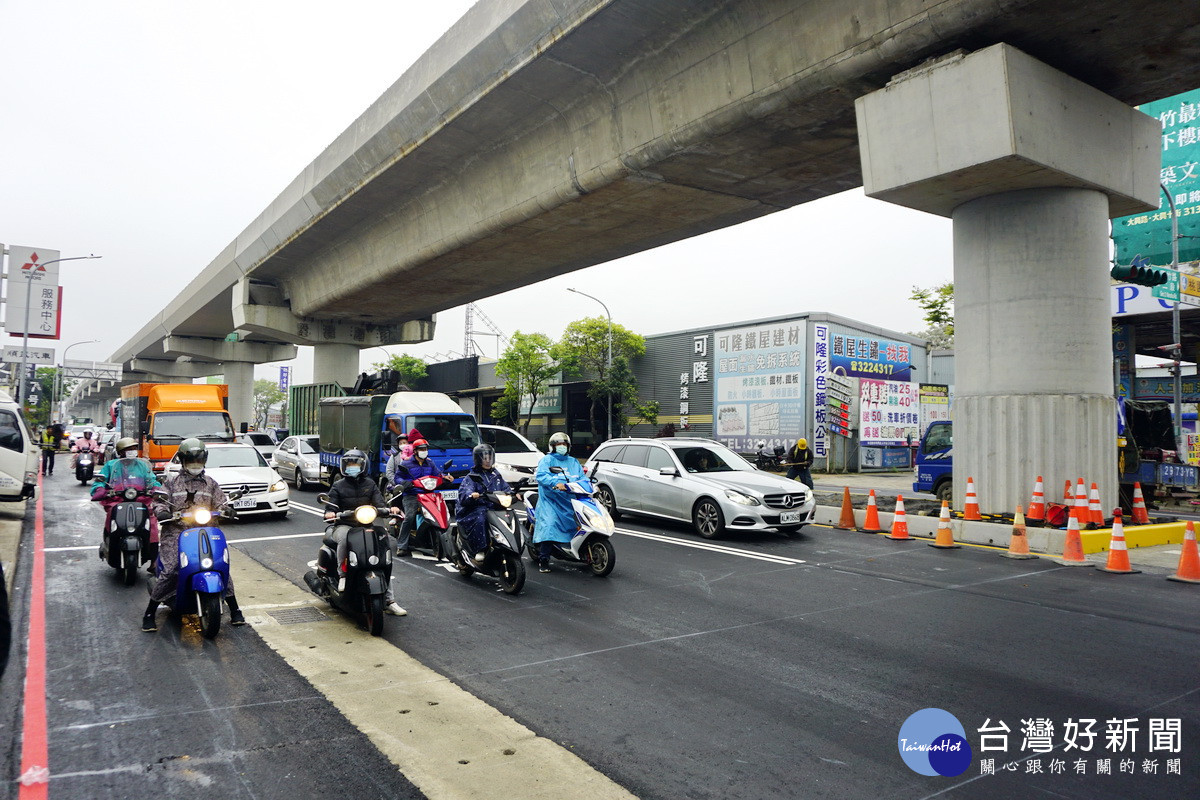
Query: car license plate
x: 789, y: 517
x: 450, y: 494
x: 245, y: 502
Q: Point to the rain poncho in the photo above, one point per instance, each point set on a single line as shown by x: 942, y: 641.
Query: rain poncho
x: 120, y: 474
x: 183, y: 491
x: 472, y: 512
x: 555, y: 517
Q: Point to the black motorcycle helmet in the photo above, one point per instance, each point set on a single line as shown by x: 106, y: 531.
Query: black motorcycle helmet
x: 482, y: 452
x: 192, y: 453
x: 352, y: 458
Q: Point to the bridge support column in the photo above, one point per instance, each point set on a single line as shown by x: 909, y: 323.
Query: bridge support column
x: 335, y: 363
x: 1029, y: 163
x: 239, y: 375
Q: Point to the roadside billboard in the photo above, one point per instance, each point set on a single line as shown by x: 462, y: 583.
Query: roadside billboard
x: 760, y: 384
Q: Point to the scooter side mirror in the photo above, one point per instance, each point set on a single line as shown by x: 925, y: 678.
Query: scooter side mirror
x: 447, y: 464
x: 557, y: 470
x: 323, y: 498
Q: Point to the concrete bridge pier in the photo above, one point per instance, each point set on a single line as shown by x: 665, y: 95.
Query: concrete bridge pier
x: 1029, y: 164
x: 335, y: 363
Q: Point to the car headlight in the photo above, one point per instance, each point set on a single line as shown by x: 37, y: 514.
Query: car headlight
x: 598, y: 520
x: 278, y: 486
x: 742, y: 499
x: 365, y: 515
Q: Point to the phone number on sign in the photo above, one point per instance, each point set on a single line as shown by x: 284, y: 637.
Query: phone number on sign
x: 872, y: 366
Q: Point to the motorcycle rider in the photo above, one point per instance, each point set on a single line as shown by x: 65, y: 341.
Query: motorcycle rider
x: 400, y: 454
x: 180, y: 492
x: 800, y: 460
x: 85, y: 445
x: 473, y: 503
x: 416, y: 467
x: 352, y: 490
x: 124, y: 472
x: 559, y: 525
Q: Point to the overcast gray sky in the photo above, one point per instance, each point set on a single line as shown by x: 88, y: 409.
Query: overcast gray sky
x: 152, y: 133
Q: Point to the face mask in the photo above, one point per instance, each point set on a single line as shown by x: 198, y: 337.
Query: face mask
x: 422, y: 453
x: 130, y: 454
x: 353, y: 472
x: 194, y: 470
x: 560, y: 449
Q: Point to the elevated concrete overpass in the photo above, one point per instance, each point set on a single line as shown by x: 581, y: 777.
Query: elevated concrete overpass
x: 537, y: 137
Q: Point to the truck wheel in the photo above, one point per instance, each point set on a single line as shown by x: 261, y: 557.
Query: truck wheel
x: 944, y: 491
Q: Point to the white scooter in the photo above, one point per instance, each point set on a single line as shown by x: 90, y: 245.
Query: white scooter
x: 592, y: 543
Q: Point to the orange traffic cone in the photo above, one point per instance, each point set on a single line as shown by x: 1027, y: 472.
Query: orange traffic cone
x: 1095, y: 513
x: 899, y: 522
x: 971, y: 504
x: 871, y: 521
x: 1079, y: 507
x: 1118, y: 553
x: 1037, y: 505
x: 1073, y: 549
x: 846, y: 523
x: 1189, y: 558
x: 1068, y: 497
x: 1018, y: 545
x: 945, y: 536
x: 1140, y: 515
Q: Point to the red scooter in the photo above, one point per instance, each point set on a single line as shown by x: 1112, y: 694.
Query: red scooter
x: 432, y: 531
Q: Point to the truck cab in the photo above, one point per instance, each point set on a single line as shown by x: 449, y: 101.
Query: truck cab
x: 933, y: 467
x: 161, y: 415
x: 371, y: 423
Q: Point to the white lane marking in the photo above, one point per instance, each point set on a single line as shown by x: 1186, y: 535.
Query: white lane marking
x: 717, y: 548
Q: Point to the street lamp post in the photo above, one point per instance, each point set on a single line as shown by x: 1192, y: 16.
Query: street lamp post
x: 608, y: 420
x: 58, y: 381
x: 29, y: 301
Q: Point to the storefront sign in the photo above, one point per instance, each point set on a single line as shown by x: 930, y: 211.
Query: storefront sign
x: 866, y: 357
x: 760, y: 385
x: 888, y: 412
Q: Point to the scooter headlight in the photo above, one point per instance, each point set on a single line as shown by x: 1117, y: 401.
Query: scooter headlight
x: 202, y: 516
x: 373, y: 560
x: 365, y: 515
x: 597, y: 519
x: 206, y: 563
x: 505, y: 500
x: 131, y: 494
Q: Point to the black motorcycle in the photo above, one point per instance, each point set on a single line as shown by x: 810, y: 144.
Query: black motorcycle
x: 772, y: 461
x: 126, y: 543
x: 505, y: 538
x: 85, y: 466
x: 368, y: 565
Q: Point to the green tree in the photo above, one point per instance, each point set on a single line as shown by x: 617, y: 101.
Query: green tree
x: 266, y: 394
x: 527, y: 365
x: 583, y: 349
x: 412, y: 369
x: 504, y: 410
x: 938, y: 304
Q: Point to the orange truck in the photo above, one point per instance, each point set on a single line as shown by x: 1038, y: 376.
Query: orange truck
x: 161, y: 415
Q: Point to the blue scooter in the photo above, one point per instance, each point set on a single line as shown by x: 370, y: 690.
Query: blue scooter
x: 203, y: 569
x: 591, y: 544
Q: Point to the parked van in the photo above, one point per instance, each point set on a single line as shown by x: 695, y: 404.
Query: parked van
x: 161, y: 415
x: 18, y: 453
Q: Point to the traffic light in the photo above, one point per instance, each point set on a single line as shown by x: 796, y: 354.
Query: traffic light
x: 1141, y: 273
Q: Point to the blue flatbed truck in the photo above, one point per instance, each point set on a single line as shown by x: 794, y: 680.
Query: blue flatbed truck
x: 1152, y: 467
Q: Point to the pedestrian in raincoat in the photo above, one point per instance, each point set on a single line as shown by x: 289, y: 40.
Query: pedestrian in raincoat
x: 473, y: 504
x: 555, y: 516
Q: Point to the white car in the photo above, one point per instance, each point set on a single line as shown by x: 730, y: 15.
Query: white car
x: 238, y: 466
x: 516, y: 457
x: 262, y: 442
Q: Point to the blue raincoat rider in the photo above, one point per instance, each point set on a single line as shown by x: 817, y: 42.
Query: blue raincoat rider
x: 555, y: 516
x: 473, y: 503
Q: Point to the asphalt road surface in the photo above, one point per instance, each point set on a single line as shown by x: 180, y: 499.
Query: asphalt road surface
x: 757, y: 666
